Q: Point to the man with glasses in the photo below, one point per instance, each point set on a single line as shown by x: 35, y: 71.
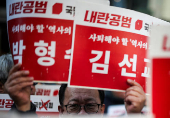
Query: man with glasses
x: 72, y: 100
x: 80, y: 101
x: 90, y: 101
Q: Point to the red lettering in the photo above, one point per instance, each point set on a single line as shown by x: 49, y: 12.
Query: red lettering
x: 85, y: 18
x: 47, y: 92
x: 11, y: 9
x: 166, y: 44
x: 93, y: 16
x: 39, y: 92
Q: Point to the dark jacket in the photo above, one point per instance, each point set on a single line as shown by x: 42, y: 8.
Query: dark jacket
x: 32, y: 111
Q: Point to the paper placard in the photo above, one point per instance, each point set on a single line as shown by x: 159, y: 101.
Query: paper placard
x: 40, y: 36
x: 109, y: 47
x: 159, y: 84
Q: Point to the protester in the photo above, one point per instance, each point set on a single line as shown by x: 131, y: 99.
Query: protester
x: 72, y: 100
x: 6, y: 64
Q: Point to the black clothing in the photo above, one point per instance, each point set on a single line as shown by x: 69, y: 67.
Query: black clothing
x: 32, y: 111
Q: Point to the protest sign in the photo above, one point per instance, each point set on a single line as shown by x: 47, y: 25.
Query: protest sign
x: 160, y: 71
x: 5, y: 102
x: 47, y: 90
x: 109, y: 47
x: 45, y: 105
x: 40, y: 36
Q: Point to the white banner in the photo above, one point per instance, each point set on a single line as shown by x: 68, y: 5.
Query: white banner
x: 42, y: 103
x: 47, y: 90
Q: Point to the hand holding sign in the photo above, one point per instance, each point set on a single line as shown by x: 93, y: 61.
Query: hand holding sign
x: 18, y: 86
x: 134, y: 97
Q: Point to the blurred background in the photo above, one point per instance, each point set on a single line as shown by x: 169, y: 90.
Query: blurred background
x: 156, y: 8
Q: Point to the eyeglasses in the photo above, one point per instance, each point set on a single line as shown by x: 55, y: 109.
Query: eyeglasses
x: 76, y: 108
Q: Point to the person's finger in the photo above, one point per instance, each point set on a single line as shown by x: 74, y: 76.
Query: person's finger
x: 21, y: 80
x: 132, y: 93
x: 15, y: 68
x: 132, y: 100
x: 17, y: 75
x: 133, y: 83
x: 135, y: 88
x: 25, y: 84
x: 13, y: 90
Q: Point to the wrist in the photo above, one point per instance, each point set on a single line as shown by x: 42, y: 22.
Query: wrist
x: 133, y: 112
x: 24, y: 107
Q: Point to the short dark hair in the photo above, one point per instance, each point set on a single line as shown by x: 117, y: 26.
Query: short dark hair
x: 62, y: 92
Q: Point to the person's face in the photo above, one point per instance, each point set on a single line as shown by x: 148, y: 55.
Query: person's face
x: 81, y: 97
